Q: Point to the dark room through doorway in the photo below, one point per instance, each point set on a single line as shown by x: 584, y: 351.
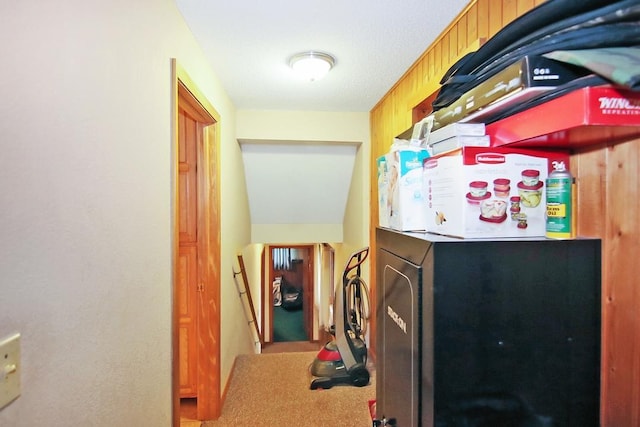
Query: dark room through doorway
x: 291, y: 275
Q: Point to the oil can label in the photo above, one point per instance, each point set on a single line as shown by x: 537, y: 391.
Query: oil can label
x: 556, y: 210
x: 558, y: 207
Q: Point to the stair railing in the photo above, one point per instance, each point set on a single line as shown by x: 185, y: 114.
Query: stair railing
x: 246, y: 291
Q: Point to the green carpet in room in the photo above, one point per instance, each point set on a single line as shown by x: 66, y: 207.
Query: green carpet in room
x: 288, y: 325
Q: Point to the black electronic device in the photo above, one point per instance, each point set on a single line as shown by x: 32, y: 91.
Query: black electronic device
x: 477, y: 332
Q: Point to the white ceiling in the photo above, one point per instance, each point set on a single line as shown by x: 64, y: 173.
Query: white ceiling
x: 374, y: 42
x: 248, y: 44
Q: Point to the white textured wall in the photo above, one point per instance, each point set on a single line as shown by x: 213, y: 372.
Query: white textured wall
x: 303, y: 125
x: 356, y: 217
x: 85, y: 207
x: 296, y: 234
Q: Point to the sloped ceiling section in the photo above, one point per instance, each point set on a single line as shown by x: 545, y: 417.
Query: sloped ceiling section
x: 297, y: 182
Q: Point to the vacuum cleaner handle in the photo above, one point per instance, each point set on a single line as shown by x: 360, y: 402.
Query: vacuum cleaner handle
x: 356, y: 260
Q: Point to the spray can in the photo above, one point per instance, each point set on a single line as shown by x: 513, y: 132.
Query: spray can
x: 559, y: 198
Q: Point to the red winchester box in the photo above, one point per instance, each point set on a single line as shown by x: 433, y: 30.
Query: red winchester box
x: 585, y: 116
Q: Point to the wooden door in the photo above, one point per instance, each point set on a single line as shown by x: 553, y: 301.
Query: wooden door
x: 196, y: 251
x: 187, y: 280
x: 188, y: 277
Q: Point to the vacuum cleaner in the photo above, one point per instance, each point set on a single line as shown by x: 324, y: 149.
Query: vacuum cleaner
x: 343, y: 359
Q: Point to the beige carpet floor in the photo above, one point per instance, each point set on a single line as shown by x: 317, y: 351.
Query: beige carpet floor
x: 273, y: 390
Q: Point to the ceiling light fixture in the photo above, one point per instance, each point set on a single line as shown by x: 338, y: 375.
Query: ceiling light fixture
x: 311, y: 65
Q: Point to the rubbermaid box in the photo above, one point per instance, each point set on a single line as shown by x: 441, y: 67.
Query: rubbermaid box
x: 488, y: 192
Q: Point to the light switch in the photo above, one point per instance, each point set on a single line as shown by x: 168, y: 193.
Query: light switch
x: 9, y: 369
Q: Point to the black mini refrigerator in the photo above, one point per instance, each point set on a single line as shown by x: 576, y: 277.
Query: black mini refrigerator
x: 487, y: 333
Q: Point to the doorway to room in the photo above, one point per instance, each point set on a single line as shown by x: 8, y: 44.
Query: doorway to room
x: 196, y: 252
x: 292, y: 293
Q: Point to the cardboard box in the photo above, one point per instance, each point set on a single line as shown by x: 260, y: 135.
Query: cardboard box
x: 456, y: 129
x: 493, y: 192
x: 401, y: 206
x: 586, y: 116
x: 459, y: 142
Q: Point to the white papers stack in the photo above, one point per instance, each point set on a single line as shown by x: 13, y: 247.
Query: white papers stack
x: 456, y: 135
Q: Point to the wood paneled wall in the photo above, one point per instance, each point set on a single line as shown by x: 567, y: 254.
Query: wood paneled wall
x: 608, y: 178
x: 608, y: 207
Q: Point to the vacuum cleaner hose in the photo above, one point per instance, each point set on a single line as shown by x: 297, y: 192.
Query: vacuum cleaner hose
x: 358, y: 305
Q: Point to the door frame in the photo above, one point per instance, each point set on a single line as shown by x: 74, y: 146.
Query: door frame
x: 208, y: 307
x: 308, y: 290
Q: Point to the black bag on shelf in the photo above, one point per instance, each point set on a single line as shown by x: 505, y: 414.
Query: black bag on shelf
x: 588, y: 24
